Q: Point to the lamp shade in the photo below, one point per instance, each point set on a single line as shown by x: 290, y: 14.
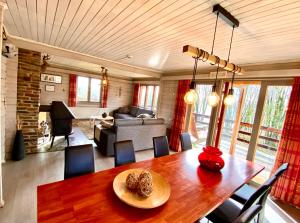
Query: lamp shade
x: 229, y: 100
x: 191, y: 97
x: 213, y: 99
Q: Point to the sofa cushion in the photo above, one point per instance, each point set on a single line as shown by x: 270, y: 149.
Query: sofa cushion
x: 154, y: 121
x: 133, y: 111
x: 144, y: 111
x: 144, y: 116
x: 128, y: 122
x: 123, y: 116
x: 124, y: 110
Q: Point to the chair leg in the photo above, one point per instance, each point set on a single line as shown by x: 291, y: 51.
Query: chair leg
x: 67, y: 137
x: 52, y: 141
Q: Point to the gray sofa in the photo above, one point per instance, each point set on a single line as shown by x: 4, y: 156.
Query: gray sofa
x: 131, y: 112
x: 140, y: 131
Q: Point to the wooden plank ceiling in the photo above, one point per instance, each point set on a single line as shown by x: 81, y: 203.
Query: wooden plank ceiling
x: 154, y: 31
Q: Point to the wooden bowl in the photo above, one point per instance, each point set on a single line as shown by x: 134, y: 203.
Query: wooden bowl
x: 160, y: 194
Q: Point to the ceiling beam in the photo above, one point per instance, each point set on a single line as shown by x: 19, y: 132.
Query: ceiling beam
x: 113, y: 66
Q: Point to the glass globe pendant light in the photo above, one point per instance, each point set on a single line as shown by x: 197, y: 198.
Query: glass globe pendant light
x: 229, y: 99
x: 213, y: 98
x: 191, y: 97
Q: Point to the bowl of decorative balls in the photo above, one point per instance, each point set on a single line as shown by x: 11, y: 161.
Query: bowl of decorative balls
x: 141, y: 188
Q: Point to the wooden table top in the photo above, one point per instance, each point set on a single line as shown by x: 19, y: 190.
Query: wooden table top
x: 195, y: 192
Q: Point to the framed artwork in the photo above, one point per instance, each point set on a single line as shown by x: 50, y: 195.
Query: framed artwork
x: 50, y: 88
x: 51, y: 78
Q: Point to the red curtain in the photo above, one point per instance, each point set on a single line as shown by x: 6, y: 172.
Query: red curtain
x: 72, y: 90
x: 104, y: 96
x: 179, y: 115
x: 287, y: 188
x: 135, y: 98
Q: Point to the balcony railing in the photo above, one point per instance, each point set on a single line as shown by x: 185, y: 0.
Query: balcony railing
x: 269, y: 137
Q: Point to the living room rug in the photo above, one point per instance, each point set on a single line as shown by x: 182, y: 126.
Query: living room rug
x: 86, y: 127
x: 78, y: 137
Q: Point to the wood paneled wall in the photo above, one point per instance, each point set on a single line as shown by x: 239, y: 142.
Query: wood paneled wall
x: 168, y: 90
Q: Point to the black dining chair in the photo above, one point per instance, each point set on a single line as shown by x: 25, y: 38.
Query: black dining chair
x: 228, y: 211
x: 161, y: 146
x: 244, y: 193
x: 185, y: 140
x: 79, y: 160
x: 249, y: 214
x: 124, y: 152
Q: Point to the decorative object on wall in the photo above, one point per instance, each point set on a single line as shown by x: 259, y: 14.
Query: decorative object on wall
x: 51, y: 78
x: 50, y: 88
x: 199, y: 54
x: 18, y: 152
x: 104, y: 88
x: 45, y: 64
x: 104, y: 76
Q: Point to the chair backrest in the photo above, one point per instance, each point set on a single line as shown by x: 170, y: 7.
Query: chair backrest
x: 249, y: 214
x: 185, y: 140
x: 124, y: 152
x: 161, y: 146
x: 79, y: 160
x: 281, y: 170
x: 260, y: 195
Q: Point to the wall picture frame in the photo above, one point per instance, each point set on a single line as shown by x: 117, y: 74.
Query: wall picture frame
x: 50, y: 78
x: 50, y: 88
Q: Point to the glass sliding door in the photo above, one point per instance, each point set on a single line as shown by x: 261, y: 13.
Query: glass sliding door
x: 275, y: 106
x: 199, y: 123
x: 231, y: 115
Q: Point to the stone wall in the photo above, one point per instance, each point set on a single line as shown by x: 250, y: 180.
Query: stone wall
x: 28, y: 96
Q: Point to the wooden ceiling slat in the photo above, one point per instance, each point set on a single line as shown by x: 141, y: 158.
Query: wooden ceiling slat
x: 41, y: 8
x: 134, y: 43
x: 147, y: 28
x: 62, y: 8
x: 124, y: 24
x: 168, y: 40
x: 14, y: 11
x: 11, y: 24
x: 81, y: 11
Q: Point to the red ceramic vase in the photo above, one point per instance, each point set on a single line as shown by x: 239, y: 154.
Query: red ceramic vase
x: 211, y: 158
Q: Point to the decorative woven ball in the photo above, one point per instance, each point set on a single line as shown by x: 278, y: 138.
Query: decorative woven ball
x: 145, y: 185
x: 132, y: 181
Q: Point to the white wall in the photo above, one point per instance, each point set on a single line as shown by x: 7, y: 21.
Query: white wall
x: 119, y: 93
x: 10, y: 104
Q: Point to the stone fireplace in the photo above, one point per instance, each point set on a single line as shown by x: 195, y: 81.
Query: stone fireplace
x: 28, y: 96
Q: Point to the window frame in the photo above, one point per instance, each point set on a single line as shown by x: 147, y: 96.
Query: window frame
x: 155, y: 86
x: 89, y: 102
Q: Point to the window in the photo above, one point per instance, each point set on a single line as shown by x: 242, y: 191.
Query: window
x: 148, y: 96
x: 88, y: 90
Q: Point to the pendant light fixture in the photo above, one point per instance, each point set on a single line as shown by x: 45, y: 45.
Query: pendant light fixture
x: 213, y: 98
x: 229, y: 99
x: 198, y: 54
x: 192, y: 96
